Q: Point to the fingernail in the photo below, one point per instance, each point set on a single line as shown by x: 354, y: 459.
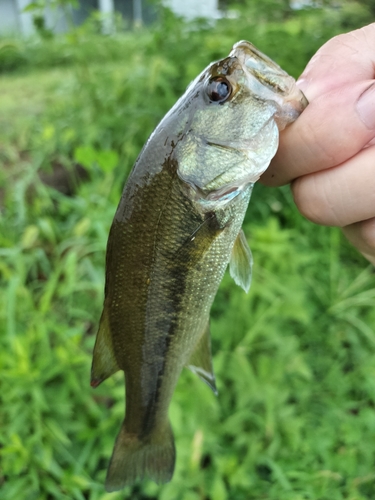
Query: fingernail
x: 302, y: 84
x: 366, y: 107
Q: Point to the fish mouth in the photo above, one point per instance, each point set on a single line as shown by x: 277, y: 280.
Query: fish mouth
x: 268, y: 80
x: 253, y: 58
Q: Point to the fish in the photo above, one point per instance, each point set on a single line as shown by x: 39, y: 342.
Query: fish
x: 176, y: 228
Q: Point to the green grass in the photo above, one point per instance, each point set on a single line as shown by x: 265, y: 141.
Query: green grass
x: 294, y: 359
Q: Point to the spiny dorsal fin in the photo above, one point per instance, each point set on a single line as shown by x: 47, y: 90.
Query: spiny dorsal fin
x: 201, y: 362
x: 104, y: 363
x: 241, y: 262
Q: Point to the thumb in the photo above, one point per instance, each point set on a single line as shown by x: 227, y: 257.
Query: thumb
x: 334, y: 127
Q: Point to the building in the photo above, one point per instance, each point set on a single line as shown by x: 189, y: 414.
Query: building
x: 14, y: 19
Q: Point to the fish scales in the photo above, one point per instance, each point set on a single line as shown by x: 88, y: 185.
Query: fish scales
x: 156, y: 273
x: 177, y: 226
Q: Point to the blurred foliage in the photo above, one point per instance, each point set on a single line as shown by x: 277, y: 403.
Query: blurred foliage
x: 294, y: 358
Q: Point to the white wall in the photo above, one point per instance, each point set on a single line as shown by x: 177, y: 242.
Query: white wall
x: 191, y: 9
x: 10, y: 19
x: 13, y: 20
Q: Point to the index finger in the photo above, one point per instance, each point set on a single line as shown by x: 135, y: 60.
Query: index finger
x: 344, y: 59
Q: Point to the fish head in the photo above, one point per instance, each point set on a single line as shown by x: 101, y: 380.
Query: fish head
x: 235, y: 109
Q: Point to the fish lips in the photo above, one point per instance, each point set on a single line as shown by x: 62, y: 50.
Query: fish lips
x: 270, y: 82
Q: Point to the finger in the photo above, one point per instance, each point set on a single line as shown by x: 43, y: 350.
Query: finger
x: 362, y: 236
x: 341, y: 195
x: 344, y: 59
x: 333, y: 128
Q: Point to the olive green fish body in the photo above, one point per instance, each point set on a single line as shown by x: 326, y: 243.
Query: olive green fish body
x: 160, y: 248
x: 176, y: 228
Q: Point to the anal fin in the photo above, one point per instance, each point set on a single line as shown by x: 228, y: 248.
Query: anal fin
x: 201, y: 361
x: 104, y: 363
x: 241, y: 262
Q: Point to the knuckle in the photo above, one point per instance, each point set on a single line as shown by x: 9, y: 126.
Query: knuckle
x: 366, y: 231
x: 348, y: 41
x: 306, y: 199
x: 313, y: 201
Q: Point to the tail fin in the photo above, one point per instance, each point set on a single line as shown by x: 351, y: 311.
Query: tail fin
x: 133, y: 458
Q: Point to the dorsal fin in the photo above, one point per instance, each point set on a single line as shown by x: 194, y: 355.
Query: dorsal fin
x: 104, y: 363
x: 201, y: 362
x: 241, y: 262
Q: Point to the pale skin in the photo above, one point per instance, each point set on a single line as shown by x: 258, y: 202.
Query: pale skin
x: 328, y: 154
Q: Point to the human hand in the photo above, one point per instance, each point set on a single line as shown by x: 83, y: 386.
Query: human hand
x: 328, y: 153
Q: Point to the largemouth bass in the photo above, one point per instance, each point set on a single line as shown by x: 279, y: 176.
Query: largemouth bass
x: 177, y: 226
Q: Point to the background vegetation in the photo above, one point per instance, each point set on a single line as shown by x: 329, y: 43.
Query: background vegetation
x: 294, y: 359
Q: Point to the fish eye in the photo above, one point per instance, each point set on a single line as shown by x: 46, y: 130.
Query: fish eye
x: 219, y: 89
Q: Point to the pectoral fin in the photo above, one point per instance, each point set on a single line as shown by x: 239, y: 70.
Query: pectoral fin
x: 241, y: 262
x: 104, y: 363
x: 201, y: 362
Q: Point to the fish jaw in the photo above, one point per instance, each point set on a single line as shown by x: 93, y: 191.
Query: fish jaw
x: 271, y: 82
